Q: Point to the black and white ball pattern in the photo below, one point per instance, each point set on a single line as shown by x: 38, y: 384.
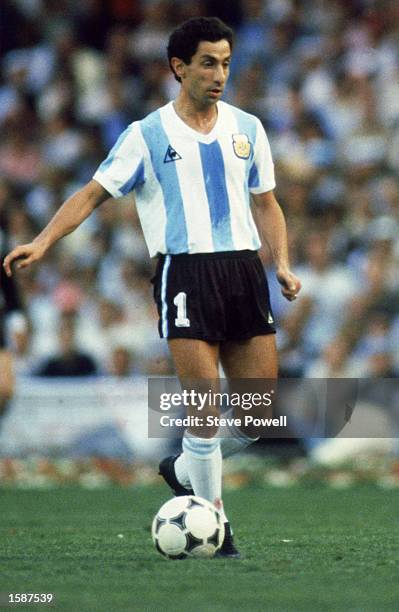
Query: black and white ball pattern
x: 187, y: 526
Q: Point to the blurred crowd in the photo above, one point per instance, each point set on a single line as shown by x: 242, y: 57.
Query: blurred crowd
x: 322, y: 75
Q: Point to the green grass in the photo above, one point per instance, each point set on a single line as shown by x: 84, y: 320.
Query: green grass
x: 343, y: 555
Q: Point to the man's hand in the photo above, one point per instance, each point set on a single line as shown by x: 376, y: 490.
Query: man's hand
x: 291, y: 285
x: 25, y: 255
x: 71, y: 214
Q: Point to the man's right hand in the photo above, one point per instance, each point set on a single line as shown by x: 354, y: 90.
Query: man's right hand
x: 67, y: 218
x: 24, y: 255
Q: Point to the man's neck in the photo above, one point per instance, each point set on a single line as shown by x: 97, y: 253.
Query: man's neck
x: 201, y: 119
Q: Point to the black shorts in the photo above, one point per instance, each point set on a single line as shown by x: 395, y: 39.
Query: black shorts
x: 212, y: 296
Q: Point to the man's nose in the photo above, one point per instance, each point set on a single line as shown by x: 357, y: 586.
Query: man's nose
x: 220, y: 76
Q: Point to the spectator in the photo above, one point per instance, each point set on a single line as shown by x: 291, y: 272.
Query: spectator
x: 121, y: 363
x: 69, y: 360
x: 327, y: 288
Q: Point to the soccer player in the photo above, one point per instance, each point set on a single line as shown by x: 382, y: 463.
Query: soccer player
x: 194, y: 165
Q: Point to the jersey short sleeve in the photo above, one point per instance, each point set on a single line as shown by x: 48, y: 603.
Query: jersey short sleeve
x: 123, y: 169
x: 261, y: 175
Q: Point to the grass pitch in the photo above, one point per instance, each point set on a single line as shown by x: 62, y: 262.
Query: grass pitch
x: 306, y: 548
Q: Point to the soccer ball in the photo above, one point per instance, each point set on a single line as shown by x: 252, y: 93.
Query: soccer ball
x: 187, y: 526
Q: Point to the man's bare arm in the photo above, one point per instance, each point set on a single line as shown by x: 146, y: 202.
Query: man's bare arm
x: 272, y: 227
x: 69, y: 216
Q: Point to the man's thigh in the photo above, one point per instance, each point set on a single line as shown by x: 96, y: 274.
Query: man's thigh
x: 194, y: 359
x: 197, y: 367
x: 252, y: 358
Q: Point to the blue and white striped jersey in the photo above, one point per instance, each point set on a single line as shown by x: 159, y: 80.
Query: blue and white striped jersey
x: 192, y: 190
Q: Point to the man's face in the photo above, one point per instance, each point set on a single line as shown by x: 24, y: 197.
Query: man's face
x: 204, y: 79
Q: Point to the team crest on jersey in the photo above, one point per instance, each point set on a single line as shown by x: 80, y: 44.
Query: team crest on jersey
x: 241, y: 145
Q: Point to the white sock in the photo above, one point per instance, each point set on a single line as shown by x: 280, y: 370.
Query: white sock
x: 203, y: 460
x: 232, y: 440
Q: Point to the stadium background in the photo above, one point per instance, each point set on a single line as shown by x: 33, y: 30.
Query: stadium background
x: 316, y: 535
x: 323, y: 78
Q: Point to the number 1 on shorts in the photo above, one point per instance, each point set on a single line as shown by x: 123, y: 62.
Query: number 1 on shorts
x: 180, y: 300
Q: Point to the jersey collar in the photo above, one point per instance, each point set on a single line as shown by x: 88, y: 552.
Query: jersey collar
x: 205, y: 138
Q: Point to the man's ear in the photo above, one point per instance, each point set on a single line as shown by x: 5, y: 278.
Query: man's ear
x: 178, y: 66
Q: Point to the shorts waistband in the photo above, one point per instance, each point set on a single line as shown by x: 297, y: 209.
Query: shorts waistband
x: 244, y: 254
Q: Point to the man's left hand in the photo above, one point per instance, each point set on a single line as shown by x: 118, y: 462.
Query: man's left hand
x: 291, y: 285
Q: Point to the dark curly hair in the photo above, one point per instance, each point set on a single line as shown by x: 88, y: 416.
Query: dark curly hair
x: 184, y: 40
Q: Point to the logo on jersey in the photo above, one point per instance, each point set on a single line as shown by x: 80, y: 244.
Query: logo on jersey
x: 270, y: 318
x: 171, y: 155
x: 241, y: 145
